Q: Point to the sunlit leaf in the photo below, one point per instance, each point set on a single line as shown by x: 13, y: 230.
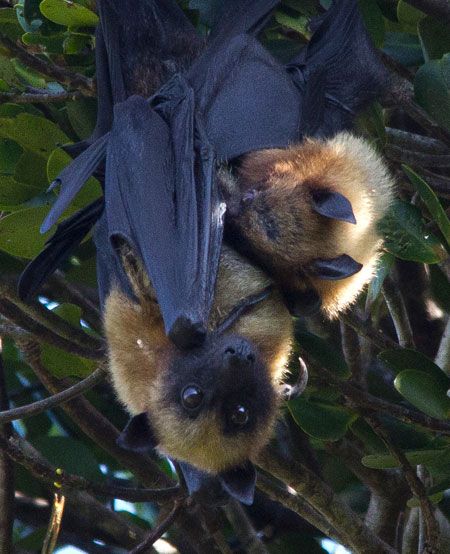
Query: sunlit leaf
x: 425, y: 392
x: 65, y: 12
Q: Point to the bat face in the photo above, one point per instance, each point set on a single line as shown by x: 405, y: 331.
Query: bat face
x: 308, y: 215
x: 215, y: 406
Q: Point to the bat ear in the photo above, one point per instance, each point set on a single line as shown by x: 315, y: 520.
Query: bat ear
x: 333, y: 205
x: 302, y: 303
x: 240, y: 482
x: 138, y: 436
x: 333, y: 269
x: 195, y: 478
x: 207, y: 488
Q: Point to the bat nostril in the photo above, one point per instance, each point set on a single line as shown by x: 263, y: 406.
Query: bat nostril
x: 230, y: 351
x: 251, y: 358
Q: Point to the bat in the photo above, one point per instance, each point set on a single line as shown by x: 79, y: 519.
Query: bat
x: 212, y: 407
x: 308, y: 215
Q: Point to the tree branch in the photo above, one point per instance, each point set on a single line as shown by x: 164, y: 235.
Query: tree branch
x: 443, y: 354
x: 360, y: 399
x: 292, y: 501
x: 397, y: 308
x: 415, y: 484
x: 44, y: 97
x: 348, y: 525
x: 55, y: 400
x: 17, y: 316
x: 159, y: 531
x: 21, y: 452
x: 365, y: 329
x: 6, y: 474
x: 76, y: 81
x: 413, y: 141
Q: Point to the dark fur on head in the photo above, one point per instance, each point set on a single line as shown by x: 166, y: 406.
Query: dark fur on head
x: 229, y: 372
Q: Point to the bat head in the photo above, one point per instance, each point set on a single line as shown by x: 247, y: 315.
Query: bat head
x: 213, y: 410
x: 215, y: 406
x: 308, y: 215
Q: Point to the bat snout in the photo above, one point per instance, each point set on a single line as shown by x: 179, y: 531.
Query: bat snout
x: 239, y: 353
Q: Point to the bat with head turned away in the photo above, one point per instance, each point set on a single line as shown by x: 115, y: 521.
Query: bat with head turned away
x: 189, y: 135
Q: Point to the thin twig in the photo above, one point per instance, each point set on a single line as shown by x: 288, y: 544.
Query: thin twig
x: 16, y: 315
x: 415, y: 142
x: 443, y: 355
x: 397, y: 308
x: 415, y: 484
x: 359, y: 399
x: 76, y: 81
x: 413, y: 158
x: 347, y: 523
x: 352, y: 353
x: 19, y: 451
x: 6, y: 474
x: 401, y: 94
x: 290, y: 499
x: 51, y: 320
x: 43, y: 97
x: 159, y: 531
x: 55, y: 400
x: 366, y: 330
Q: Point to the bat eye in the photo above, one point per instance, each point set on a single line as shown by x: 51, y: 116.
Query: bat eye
x: 191, y: 397
x: 239, y: 416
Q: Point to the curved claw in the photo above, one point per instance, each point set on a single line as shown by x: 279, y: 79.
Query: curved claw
x: 289, y: 392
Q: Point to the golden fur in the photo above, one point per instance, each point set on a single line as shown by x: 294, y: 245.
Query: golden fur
x: 280, y: 183
x: 140, y: 355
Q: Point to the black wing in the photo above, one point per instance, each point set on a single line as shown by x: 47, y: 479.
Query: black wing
x: 338, y: 73
x: 162, y: 199
x: 126, y: 51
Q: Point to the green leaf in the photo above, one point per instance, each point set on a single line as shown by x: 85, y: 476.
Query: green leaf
x: 424, y: 392
x: 414, y: 457
x: 13, y: 193
x: 91, y: 190
x: 404, y: 48
x: 373, y: 20
x: 321, y: 351
x: 20, y: 235
x: 440, y: 288
x: 321, y: 421
x: 10, y: 153
x: 63, y: 364
x: 406, y: 236
x: 29, y: 76
x: 399, y: 360
x: 372, y: 442
x: 31, y: 169
x: 414, y: 502
x: 431, y: 88
x: 65, y: 12
x: 431, y: 200
x: 384, y: 266
x: 298, y: 24
x: 76, y: 42
x: 82, y: 115
x: 408, y: 16
x: 52, y: 43
x: 434, y: 37
x: 34, y: 133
